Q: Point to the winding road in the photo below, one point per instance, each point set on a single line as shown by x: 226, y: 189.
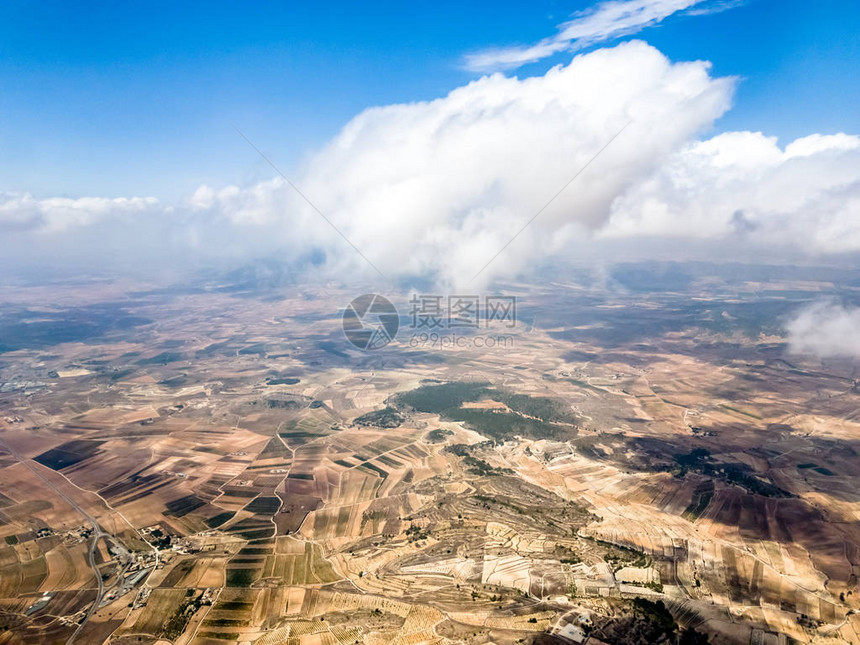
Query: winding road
x: 98, y: 533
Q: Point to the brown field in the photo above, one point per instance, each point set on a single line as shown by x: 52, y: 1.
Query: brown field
x: 222, y: 456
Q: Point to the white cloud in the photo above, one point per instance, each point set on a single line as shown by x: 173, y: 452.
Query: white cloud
x: 826, y: 330
x: 23, y: 212
x: 439, y: 187
x: 606, y: 20
x: 259, y: 205
x: 804, y: 197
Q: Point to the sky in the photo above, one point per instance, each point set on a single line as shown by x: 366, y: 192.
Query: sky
x: 119, y: 99
x: 414, y: 124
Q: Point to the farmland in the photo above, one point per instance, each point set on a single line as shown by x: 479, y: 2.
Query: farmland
x: 228, y: 469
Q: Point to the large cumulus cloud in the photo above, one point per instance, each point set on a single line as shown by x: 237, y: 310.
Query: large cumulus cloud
x: 437, y: 188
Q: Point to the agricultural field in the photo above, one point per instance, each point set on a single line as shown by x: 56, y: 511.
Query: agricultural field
x: 223, y: 467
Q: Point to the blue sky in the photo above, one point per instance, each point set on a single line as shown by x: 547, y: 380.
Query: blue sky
x: 117, y: 99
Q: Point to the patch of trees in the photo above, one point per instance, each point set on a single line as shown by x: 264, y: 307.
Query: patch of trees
x: 283, y: 404
x: 648, y: 623
x: 537, y: 417
x: 438, y: 435
x: 475, y: 465
x: 384, y: 418
x: 698, y: 460
x: 176, y: 623
x: 282, y: 380
x: 415, y: 533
